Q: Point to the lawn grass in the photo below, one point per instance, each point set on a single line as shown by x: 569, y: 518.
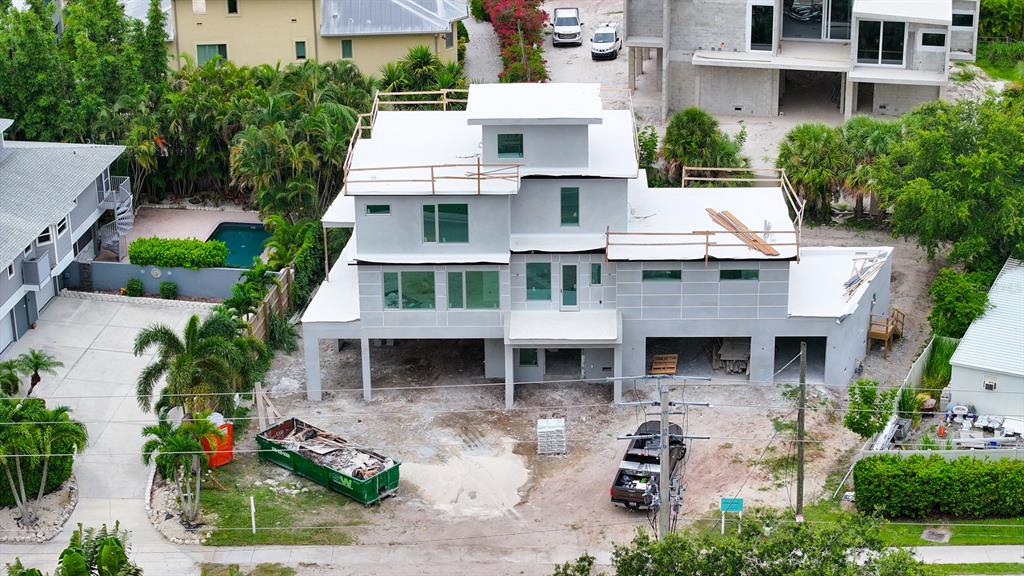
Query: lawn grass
x: 909, y: 534
x: 1003, y: 69
x: 313, y: 517
x: 233, y: 570
x: 983, y: 568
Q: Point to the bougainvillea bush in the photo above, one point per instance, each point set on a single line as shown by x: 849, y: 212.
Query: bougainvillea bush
x: 519, y: 25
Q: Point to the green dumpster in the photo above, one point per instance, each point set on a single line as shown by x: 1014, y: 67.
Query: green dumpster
x: 329, y: 460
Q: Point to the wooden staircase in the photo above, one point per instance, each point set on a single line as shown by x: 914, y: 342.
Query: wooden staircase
x: 884, y: 329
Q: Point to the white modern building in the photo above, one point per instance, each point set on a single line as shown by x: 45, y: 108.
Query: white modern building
x: 988, y: 365
x: 523, y: 222
x: 763, y: 57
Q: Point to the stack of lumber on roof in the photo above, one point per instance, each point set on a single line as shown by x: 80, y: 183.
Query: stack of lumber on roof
x: 733, y: 224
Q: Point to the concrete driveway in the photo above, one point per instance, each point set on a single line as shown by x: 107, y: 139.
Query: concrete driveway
x: 94, y: 341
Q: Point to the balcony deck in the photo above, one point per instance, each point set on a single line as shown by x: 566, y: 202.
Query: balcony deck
x: 792, y: 55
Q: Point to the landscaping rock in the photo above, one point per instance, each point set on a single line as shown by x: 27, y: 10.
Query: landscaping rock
x: 53, y: 512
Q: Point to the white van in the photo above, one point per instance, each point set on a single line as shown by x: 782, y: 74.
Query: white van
x: 606, y: 42
x: 568, y: 28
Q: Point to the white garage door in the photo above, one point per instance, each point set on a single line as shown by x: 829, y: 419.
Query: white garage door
x: 6, y: 331
x: 45, y: 294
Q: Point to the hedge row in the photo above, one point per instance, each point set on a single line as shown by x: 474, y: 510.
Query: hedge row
x: 178, y: 253
x: 519, y: 25
x: 309, y: 261
x: 60, y: 470
x: 919, y: 487
x: 1002, y: 19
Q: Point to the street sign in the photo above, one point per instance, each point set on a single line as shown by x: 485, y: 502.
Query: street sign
x: 732, y: 505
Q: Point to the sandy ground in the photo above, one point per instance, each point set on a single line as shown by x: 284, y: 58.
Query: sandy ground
x: 574, y: 64
x: 470, y: 470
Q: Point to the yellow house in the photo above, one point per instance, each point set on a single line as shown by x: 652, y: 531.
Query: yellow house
x: 370, y: 33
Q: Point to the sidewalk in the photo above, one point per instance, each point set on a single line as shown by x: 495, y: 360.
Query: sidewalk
x: 970, y: 554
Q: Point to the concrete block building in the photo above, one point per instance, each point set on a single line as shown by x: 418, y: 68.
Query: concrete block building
x: 530, y: 228
x: 761, y: 57
x: 51, y: 198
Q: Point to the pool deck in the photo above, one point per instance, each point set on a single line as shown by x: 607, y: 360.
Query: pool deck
x: 183, y: 223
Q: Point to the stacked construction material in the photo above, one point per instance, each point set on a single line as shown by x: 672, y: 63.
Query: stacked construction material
x: 551, y: 436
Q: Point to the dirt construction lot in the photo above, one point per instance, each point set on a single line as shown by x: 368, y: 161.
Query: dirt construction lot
x: 470, y: 473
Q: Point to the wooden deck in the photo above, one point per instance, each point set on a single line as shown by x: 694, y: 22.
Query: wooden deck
x: 884, y: 329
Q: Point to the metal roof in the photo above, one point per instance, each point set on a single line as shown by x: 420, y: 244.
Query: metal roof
x: 995, y: 341
x: 39, y: 182
x: 365, y: 17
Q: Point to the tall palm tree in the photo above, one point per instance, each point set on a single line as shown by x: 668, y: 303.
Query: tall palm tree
x: 200, y: 367
x: 19, y: 445
x: 180, y: 456
x: 285, y: 239
x: 9, y: 380
x: 815, y: 157
x: 35, y: 361
x: 56, y: 428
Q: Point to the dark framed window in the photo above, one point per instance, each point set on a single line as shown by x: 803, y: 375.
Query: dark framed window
x: 378, y: 209
x: 538, y: 281
x: 207, y: 52
x: 595, y: 274
x: 762, y: 27
x: 346, y: 49
x: 963, y: 20
x: 449, y: 37
x: 232, y: 6
x: 738, y: 274
x: 661, y: 275
x: 933, y: 39
x: 510, y: 145
x: 527, y: 356
x: 408, y: 290
x: 62, y: 226
x: 446, y: 223
x: 429, y: 223
x: 300, y: 49
x: 869, y: 36
x: 893, y: 40
x: 570, y: 206
x: 881, y: 42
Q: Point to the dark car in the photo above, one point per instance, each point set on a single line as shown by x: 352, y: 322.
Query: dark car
x: 636, y: 481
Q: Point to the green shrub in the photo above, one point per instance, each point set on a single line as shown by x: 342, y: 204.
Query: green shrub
x: 281, y: 335
x: 925, y: 487
x: 168, y: 290
x: 462, y: 36
x: 1002, y: 19
x: 479, y: 11
x: 869, y: 409
x: 309, y: 261
x: 1002, y: 54
x: 60, y: 470
x: 178, y: 253
x: 937, y: 370
x: 957, y: 299
x: 134, y: 288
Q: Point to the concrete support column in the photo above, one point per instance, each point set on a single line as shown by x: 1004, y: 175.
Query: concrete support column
x: 510, y: 386
x: 617, y: 373
x: 364, y: 356
x: 640, y: 61
x: 762, y: 358
x: 631, y: 61
x: 659, y: 57
x: 849, y: 102
x: 311, y: 352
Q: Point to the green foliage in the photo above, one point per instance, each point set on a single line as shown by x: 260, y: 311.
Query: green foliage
x: 479, y: 11
x: 309, y: 262
x: 766, y: 543
x: 285, y: 239
x: 919, y: 487
x: 815, y: 157
x: 233, y: 570
x: 957, y: 299
x: 462, y: 35
x: 180, y: 457
x: 693, y: 140
x: 281, y: 335
x: 868, y: 410
x: 582, y: 566
x: 34, y: 362
x: 1002, y: 54
x: 1002, y: 19
x: 168, y: 290
x: 10, y: 382
x: 421, y: 70
x: 908, y: 405
x: 177, y: 253
x: 134, y: 288
x: 29, y: 428
x: 937, y: 370
x: 647, y: 143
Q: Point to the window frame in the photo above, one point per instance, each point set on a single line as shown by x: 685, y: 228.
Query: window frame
x: 347, y: 42
x: 216, y: 46
x: 531, y: 296
x: 48, y: 233
x: 750, y: 25
x: 449, y: 37
x: 510, y: 155
x: 227, y: 7
x: 10, y: 271
x: 929, y: 48
x: 65, y: 222
x: 562, y: 205
x: 651, y: 275
x: 386, y: 212
x: 463, y: 293
x: 400, y: 290
x: 971, y: 13
x: 756, y: 276
x: 27, y: 250
x: 536, y: 358
x: 881, y: 41
x: 304, y: 52
x: 436, y: 237
x: 596, y: 272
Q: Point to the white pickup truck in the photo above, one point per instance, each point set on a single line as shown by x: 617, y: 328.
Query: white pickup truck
x: 568, y: 27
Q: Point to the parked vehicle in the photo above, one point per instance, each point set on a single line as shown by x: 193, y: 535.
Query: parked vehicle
x: 568, y: 27
x: 329, y: 460
x: 606, y: 42
x: 636, y: 481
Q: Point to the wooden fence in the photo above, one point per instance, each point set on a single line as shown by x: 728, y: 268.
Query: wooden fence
x: 277, y: 300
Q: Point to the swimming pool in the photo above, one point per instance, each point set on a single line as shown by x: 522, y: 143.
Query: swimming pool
x: 245, y: 241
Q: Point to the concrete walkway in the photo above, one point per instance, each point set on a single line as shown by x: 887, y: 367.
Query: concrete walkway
x: 970, y: 554
x: 483, y: 58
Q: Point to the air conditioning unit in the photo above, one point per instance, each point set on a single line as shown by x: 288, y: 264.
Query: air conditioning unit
x: 990, y: 385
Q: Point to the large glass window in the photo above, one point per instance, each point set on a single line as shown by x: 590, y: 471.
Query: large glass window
x: 510, y: 145
x: 661, y: 275
x: 963, y: 20
x: 595, y: 273
x: 893, y: 39
x: 408, y: 290
x: 570, y: 206
x: 839, y: 17
x: 881, y: 42
x: 802, y: 18
x: 762, y: 27
x: 738, y: 274
x: 455, y: 288
x: 446, y: 223
x: 482, y: 289
x: 527, y: 356
x: 538, y: 281
x: 207, y: 52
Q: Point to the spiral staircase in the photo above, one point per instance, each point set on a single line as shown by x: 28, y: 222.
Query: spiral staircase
x: 119, y: 199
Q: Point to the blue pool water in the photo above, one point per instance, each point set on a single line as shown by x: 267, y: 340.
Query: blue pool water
x: 245, y: 241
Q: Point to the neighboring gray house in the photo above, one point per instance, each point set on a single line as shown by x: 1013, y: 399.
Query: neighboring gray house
x: 762, y: 57
x: 523, y: 222
x: 51, y: 196
x: 988, y: 365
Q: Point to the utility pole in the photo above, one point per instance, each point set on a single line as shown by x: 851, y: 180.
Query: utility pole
x: 800, y: 434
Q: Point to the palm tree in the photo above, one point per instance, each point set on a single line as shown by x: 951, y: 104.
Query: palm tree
x: 285, y: 239
x: 200, y: 367
x: 868, y: 139
x: 35, y: 361
x: 19, y: 443
x: 9, y: 380
x: 56, y: 428
x: 693, y: 139
x: 815, y: 157
x: 180, y: 456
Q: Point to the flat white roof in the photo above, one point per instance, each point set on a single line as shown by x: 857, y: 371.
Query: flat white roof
x: 817, y: 282
x: 883, y: 75
x: 662, y: 221
x: 995, y: 341
x: 341, y: 213
x: 556, y: 242
x: 441, y: 258
x: 578, y: 327
x: 445, y: 140
x: 540, y: 103
x: 337, y: 299
x: 938, y: 12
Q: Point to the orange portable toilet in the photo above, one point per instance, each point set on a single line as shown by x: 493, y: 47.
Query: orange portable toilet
x: 223, y: 450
